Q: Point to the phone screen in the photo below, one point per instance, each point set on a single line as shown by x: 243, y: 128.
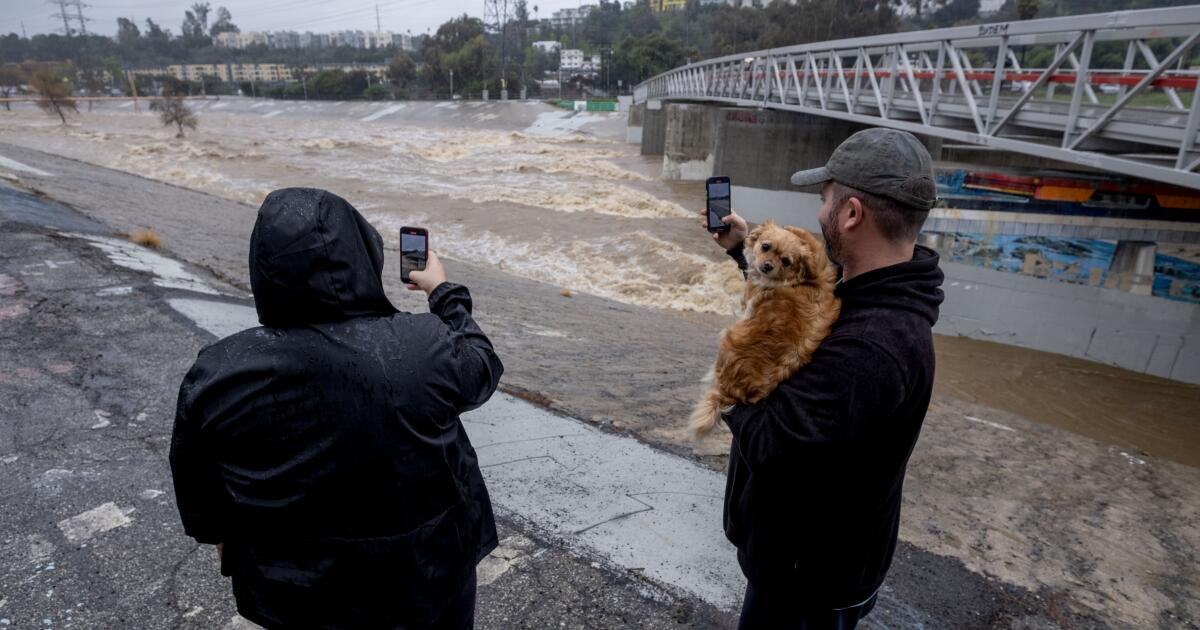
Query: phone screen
x: 718, y: 204
x: 412, y: 253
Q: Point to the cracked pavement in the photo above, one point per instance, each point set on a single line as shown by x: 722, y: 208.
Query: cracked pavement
x: 91, y: 355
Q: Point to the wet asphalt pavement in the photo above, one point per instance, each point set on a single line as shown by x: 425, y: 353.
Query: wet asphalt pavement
x: 90, y: 537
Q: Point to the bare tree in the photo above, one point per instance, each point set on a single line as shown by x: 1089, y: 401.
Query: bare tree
x: 54, y: 92
x: 173, y: 111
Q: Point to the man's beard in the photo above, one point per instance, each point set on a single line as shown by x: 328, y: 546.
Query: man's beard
x: 833, y: 238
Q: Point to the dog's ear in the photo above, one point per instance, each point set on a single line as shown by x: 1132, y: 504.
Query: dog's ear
x: 815, y: 260
x: 757, y: 233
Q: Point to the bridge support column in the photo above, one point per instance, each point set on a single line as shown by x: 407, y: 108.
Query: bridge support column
x: 762, y: 148
x: 1132, y: 267
x: 690, y: 141
x: 654, y: 128
x: 633, y: 123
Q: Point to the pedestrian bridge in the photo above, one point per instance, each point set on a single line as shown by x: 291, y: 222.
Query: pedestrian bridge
x: 1116, y: 95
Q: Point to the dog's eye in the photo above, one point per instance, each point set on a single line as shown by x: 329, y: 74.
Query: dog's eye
x: 766, y: 247
x: 787, y: 262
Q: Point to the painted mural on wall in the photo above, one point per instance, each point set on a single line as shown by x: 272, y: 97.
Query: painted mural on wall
x: 1078, y: 261
x: 1074, y: 260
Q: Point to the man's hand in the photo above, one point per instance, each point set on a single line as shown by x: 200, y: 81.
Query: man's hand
x: 428, y: 279
x: 738, y: 230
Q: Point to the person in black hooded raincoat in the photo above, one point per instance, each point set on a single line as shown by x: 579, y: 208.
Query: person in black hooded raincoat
x: 323, y: 450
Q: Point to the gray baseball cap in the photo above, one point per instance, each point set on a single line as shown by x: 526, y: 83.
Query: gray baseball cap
x: 886, y: 162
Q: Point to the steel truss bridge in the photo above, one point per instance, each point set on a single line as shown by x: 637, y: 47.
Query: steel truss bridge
x: 967, y: 85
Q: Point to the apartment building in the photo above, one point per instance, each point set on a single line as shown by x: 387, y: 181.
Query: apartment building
x: 292, y: 39
x: 254, y: 72
x: 574, y: 60
x: 568, y: 17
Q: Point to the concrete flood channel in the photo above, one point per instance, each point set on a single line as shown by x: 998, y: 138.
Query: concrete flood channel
x: 1103, y: 525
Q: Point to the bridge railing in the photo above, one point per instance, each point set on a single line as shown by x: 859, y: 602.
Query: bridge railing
x: 967, y: 84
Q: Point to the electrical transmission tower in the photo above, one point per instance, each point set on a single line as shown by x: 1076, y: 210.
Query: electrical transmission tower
x: 497, y: 14
x: 79, y: 5
x: 64, y: 13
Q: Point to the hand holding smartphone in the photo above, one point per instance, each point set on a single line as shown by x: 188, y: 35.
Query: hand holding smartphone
x: 414, y: 251
x: 719, y: 203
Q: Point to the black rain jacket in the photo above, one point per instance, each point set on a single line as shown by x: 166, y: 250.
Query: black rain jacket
x: 812, y: 499
x: 324, y: 448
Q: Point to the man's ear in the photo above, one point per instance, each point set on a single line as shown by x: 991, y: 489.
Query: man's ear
x: 854, y: 214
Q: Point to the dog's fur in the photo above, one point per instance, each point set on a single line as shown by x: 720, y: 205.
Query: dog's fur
x: 788, y: 308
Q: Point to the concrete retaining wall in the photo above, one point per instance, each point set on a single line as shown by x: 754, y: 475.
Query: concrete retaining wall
x: 1140, y: 333
x: 690, y: 141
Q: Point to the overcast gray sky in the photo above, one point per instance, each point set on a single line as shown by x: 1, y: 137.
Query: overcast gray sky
x: 264, y: 15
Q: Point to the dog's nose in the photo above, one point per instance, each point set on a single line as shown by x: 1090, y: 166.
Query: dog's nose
x: 766, y: 267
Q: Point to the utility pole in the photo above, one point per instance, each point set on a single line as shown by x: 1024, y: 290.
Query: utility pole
x: 378, y: 30
x: 23, y: 35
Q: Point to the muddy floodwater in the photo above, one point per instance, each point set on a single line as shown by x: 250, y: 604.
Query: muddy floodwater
x: 560, y: 199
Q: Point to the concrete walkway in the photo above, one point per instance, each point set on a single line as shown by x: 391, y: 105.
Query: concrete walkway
x: 603, y: 495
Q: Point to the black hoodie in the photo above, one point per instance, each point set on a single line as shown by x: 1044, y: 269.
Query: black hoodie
x: 324, y: 448
x: 812, y: 500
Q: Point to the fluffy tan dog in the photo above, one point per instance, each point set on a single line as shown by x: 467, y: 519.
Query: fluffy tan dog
x: 788, y: 308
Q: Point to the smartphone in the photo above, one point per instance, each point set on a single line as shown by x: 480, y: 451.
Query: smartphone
x: 719, y: 205
x: 414, y: 251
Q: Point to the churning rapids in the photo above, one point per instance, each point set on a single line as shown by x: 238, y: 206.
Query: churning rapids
x: 538, y: 192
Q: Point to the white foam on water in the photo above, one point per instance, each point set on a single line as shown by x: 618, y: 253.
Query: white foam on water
x: 390, y: 109
x: 634, y: 268
x: 220, y: 105
x: 562, y: 122
x: 273, y: 114
x: 126, y: 104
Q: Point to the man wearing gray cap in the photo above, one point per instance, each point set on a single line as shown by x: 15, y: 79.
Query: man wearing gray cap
x: 812, y: 499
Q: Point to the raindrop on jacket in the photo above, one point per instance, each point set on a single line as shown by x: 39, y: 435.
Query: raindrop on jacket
x: 324, y: 448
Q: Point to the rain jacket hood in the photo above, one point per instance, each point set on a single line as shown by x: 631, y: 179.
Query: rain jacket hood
x: 324, y: 449
x: 314, y: 258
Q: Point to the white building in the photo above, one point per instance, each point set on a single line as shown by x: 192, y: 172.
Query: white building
x: 402, y: 41
x: 292, y: 39
x: 548, y: 46
x: 574, y: 60
x: 570, y: 16
x: 571, y: 59
x: 241, y: 40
